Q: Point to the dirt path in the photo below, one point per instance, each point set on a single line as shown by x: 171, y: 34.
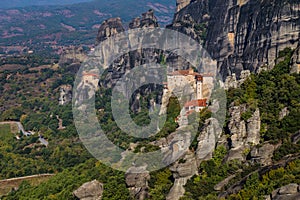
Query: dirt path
x: 20, y: 127
x: 25, y: 178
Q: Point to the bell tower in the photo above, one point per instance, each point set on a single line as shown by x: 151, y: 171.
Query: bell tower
x: 199, y: 87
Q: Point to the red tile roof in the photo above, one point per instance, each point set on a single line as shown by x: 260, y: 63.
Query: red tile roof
x: 198, y: 103
x: 185, y: 72
x: 90, y: 74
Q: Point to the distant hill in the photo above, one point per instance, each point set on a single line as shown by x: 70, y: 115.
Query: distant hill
x: 37, y: 27
x: 24, y: 3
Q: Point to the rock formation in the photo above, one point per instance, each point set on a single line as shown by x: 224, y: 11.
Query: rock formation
x: 207, y: 140
x: 263, y: 154
x: 187, y: 165
x: 182, y: 171
x: 72, y: 57
x: 131, y: 59
x: 232, y: 82
x: 222, y: 184
x: 236, y: 187
x: 283, y: 113
x: 148, y: 20
x: 296, y: 137
x: 137, y: 182
x: 198, y: 10
x: 244, y: 134
x: 109, y: 28
x: 296, y: 61
x: 249, y: 34
x: 245, y: 34
x: 90, y: 191
x: 180, y: 4
x: 287, y: 192
x: 65, y: 94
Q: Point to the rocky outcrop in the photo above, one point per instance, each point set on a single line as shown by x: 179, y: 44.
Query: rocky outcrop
x: 263, y: 154
x: 65, y: 94
x: 296, y: 137
x: 148, y: 20
x: 222, y: 184
x: 180, y: 4
x: 249, y: 34
x: 60, y: 123
x: 187, y: 165
x: 192, y: 19
x: 295, y: 61
x: 288, y: 192
x: 137, y: 182
x: 187, y: 26
x: 236, y: 187
x: 207, y: 140
x: 90, y: 191
x: 109, y: 28
x: 182, y: 171
x: 198, y: 10
x: 244, y: 132
x: 283, y: 113
x: 232, y: 82
x: 72, y: 57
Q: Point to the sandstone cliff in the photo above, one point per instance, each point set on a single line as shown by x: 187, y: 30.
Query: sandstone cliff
x: 244, y: 34
x: 249, y: 34
x: 132, y: 59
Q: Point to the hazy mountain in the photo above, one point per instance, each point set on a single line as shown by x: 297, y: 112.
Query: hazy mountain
x: 36, y: 27
x: 23, y: 3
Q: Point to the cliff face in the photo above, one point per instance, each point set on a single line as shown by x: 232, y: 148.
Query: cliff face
x: 245, y: 34
x: 249, y: 34
x: 192, y: 18
x: 198, y: 10
x: 131, y: 59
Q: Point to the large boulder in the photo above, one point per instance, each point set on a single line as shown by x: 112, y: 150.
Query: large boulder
x: 90, y: 191
x: 263, y: 154
x: 137, y: 182
x: 287, y: 192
